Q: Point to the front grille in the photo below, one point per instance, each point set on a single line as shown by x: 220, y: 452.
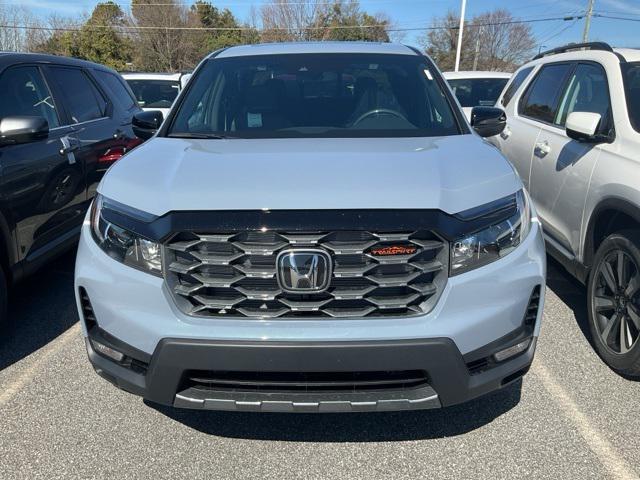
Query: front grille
x: 306, y: 381
x: 234, y: 273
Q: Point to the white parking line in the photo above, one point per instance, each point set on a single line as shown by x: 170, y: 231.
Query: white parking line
x: 617, y: 466
x: 43, y: 355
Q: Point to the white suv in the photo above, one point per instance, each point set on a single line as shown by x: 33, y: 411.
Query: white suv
x: 573, y: 134
x: 156, y: 91
x: 474, y: 89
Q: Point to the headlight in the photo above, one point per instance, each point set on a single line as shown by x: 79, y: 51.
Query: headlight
x: 124, y: 245
x: 494, y: 242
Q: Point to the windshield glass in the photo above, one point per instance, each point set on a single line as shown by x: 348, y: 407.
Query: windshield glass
x: 154, y: 93
x: 478, y: 92
x: 316, y: 95
x: 631, y: 73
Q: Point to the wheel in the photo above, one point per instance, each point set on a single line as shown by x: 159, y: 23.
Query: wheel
x: 614, y: 302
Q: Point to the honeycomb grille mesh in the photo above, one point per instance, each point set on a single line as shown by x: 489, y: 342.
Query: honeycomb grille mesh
x: 234, y: 274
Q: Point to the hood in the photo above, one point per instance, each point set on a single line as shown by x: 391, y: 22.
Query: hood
x: 451, y: 173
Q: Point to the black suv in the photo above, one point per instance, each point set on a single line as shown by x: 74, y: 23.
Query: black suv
x: 63, y: 122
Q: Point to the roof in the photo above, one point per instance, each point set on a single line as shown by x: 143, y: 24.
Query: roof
x: 475, y: 74
x: 9, y: 58
x: 151, y: 76
x: 630, y: 54
x: 596, y: 51
x: 316, y: 47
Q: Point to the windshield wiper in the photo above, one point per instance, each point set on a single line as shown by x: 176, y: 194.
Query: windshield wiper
x: 214, y: 136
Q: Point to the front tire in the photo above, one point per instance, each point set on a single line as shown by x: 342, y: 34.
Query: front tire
x: 614, y: 302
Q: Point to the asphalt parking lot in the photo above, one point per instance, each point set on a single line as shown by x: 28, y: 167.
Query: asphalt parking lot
x: 570, y: 418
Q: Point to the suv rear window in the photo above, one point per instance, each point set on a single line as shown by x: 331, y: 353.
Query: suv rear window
x: 541, y: 99
x: 317, y: 95
x: 154, y: 93
x: 116, y: 88
x: 513, y: 87
x: 631, y: 72
x: 473, y: 92
x: 83, y: 100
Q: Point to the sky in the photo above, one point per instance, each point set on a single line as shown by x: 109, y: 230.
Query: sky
x: 415, y: 14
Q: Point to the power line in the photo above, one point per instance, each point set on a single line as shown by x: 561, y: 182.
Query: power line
x: 557, y: 34
x: 216, y: 4
x: 599, y: 15
x: 334, y: 27
x: 617, y: 12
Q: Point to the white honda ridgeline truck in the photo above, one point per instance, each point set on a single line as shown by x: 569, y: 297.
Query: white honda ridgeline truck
x: 314, y: 228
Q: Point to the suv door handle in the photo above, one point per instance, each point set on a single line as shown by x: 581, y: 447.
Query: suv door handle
x: 506, y: 133
x: 69, y: 145
x: 542, y: 148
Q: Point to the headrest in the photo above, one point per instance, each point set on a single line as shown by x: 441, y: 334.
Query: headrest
x: 265, y: 97
x: 365, y: 84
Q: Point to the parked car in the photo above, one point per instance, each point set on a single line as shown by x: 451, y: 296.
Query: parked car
x: 156, y: 91
x: 63, y: 122
x: 573, y: 134
x: 314, y: 227
x: 473, y: 89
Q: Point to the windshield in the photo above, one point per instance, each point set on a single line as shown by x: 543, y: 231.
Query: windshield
x: 315, y: 95
x: 631, y: 73
x: 478, y: 92
x: 154, y: 93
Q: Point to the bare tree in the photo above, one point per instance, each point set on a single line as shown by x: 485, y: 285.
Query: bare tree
x: 442, y: 39
x: 503, y: 45
x: 491, y: 41
x: 345, y: 20
x: 290, y: 20
x: 57, y: 35
x: 13, y: 37
x: 161, y: 42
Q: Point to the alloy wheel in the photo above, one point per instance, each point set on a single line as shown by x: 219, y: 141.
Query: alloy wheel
x: 616, y: 302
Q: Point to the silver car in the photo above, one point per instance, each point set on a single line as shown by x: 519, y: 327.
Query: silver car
x: 314, y: 228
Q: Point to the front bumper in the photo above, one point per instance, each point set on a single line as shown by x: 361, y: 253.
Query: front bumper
x: 479, y: 310
x: 448, y: 379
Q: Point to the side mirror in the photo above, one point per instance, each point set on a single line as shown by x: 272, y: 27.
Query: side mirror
x: 488, y: 121
x: 583, y: 127
x: 23, y: 129
x: 146, y: 124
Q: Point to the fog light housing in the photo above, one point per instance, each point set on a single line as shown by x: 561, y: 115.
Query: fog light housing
x: 512, y: 351
x: 107, y: 351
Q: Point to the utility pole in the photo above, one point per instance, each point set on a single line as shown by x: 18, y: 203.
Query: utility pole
x: 587, y: 24
x: 477, y: 53
x: 460, y: 30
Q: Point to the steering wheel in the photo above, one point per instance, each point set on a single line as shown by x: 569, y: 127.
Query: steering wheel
x: 379, y: 111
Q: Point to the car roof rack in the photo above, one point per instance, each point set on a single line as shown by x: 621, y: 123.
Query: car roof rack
x: 602, y: 46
